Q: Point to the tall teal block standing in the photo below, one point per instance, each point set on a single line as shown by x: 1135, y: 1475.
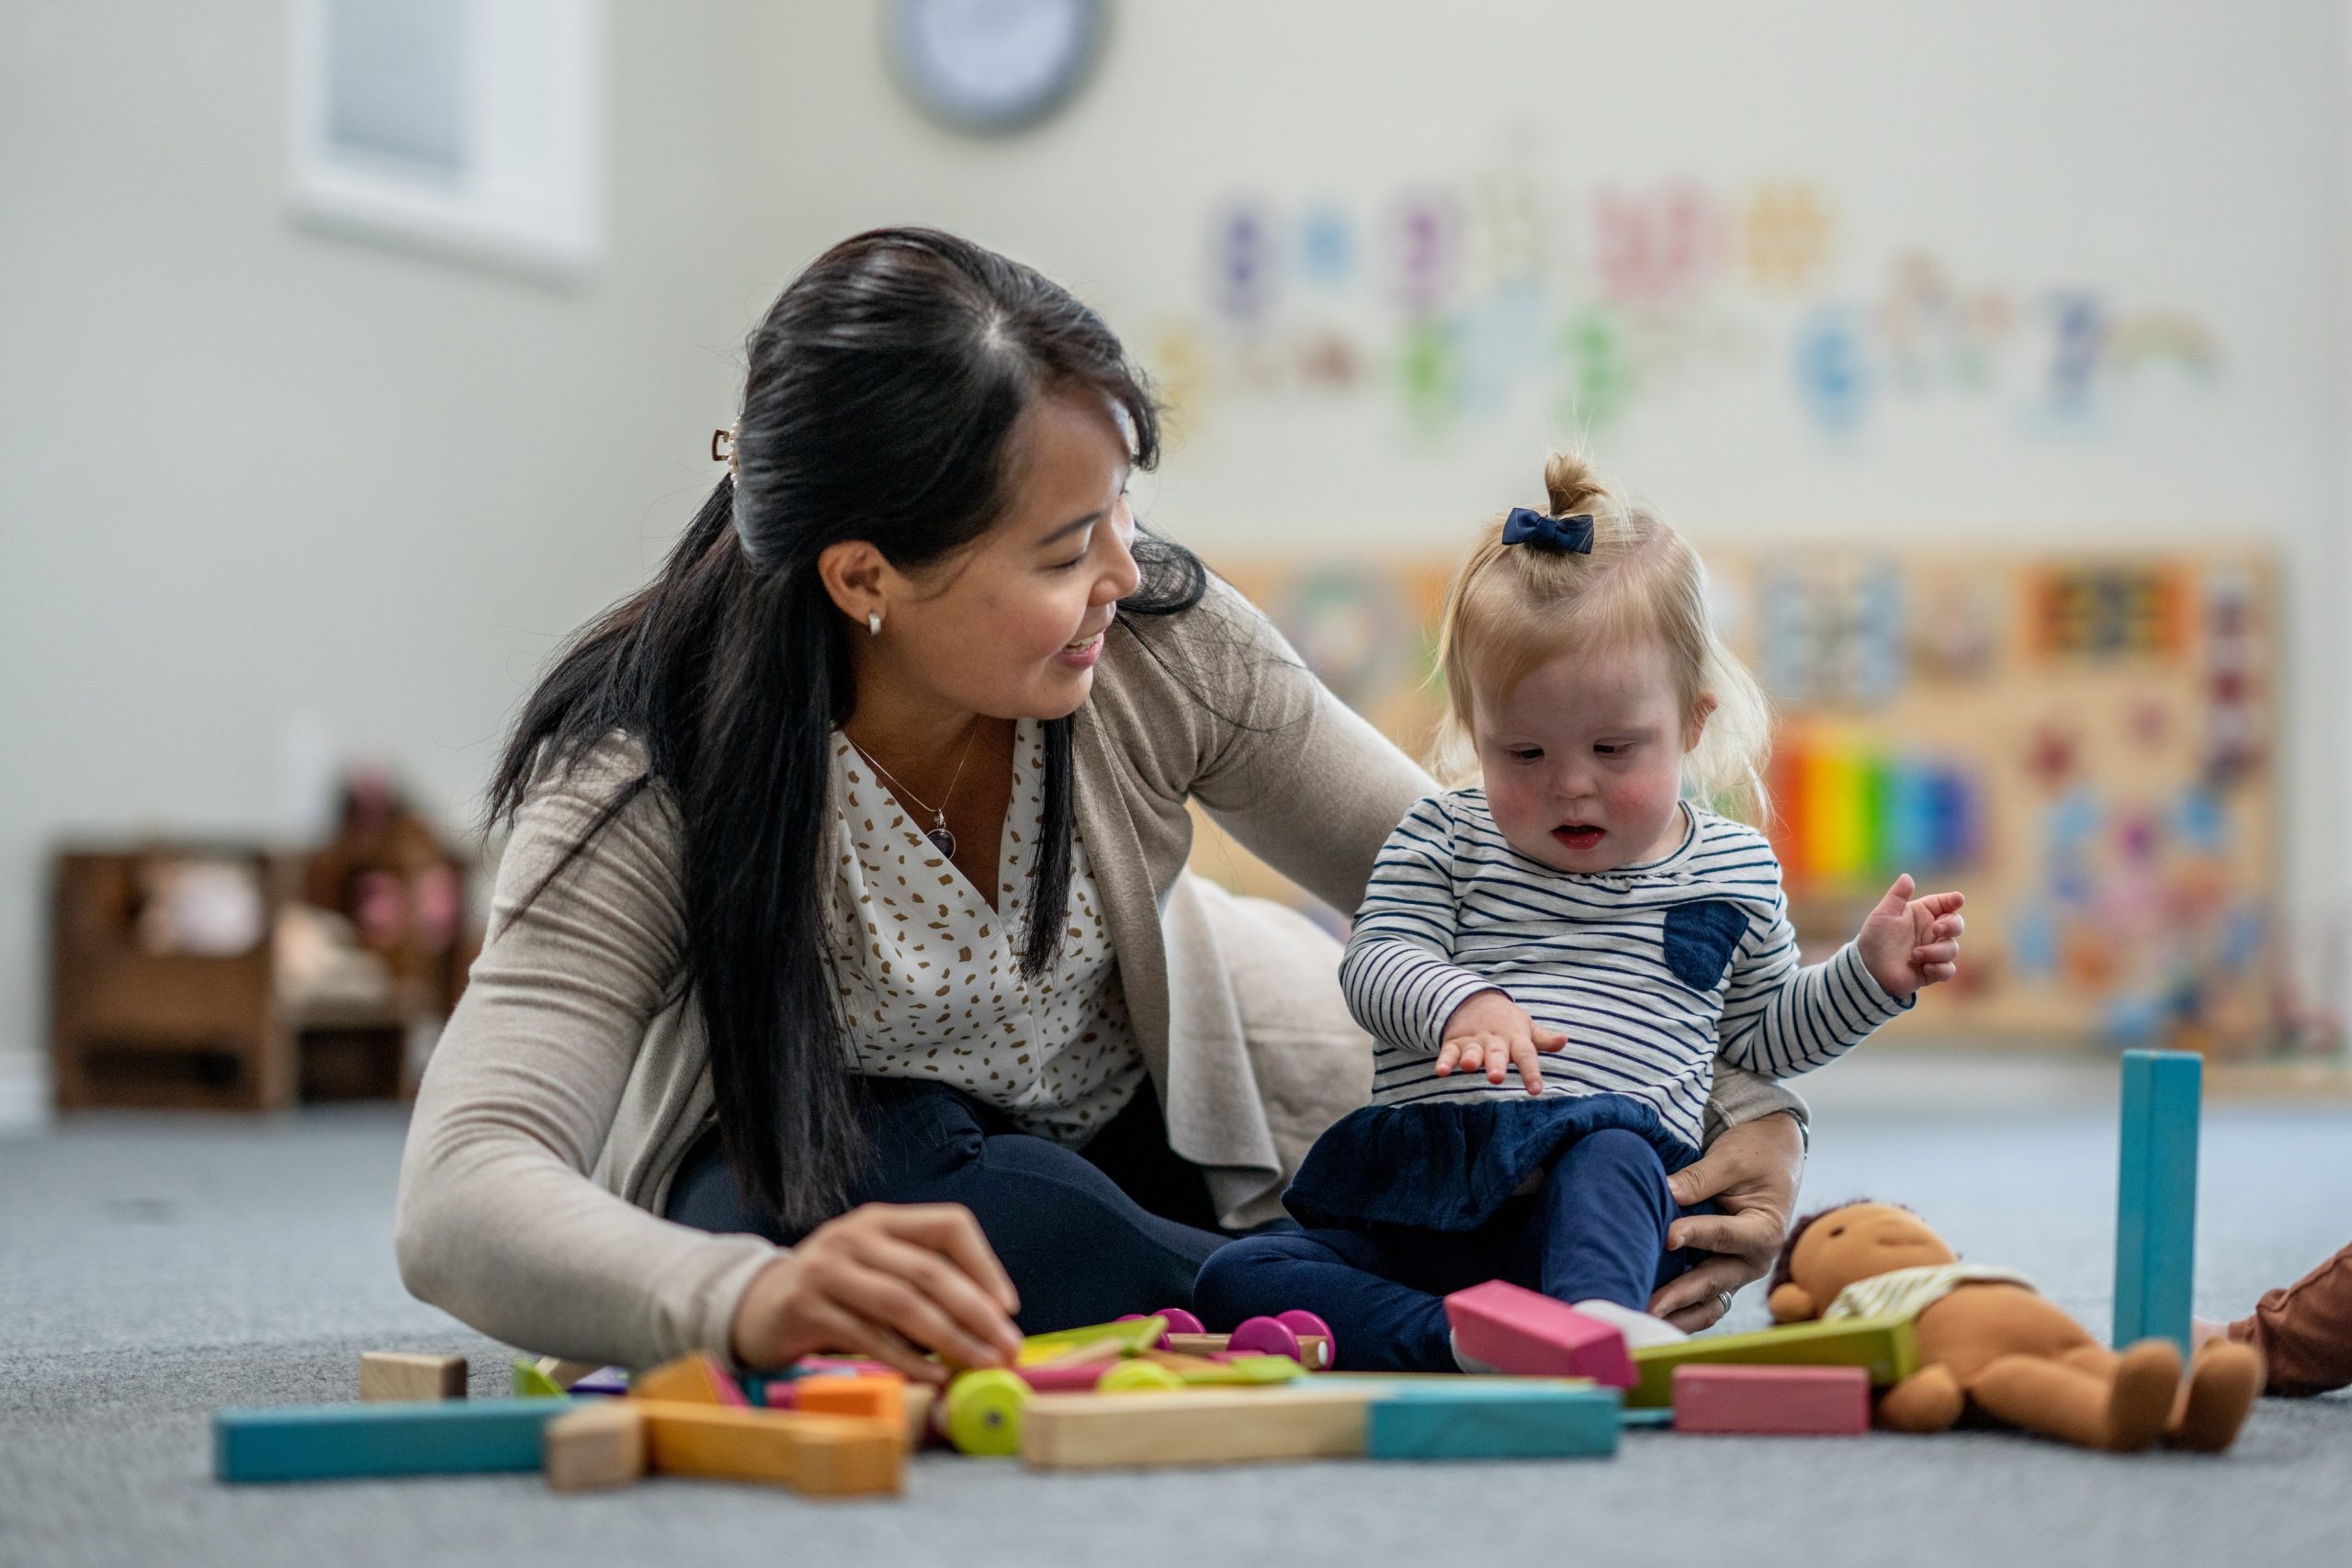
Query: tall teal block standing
x: 2156, y: 1209
x: 310, y: 1442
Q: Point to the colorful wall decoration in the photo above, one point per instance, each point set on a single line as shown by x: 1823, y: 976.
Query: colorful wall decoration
x: 1450, y: 300
x: 2081, y: 743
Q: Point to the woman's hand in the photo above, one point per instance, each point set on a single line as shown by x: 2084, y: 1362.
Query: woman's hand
x: 1751, y: 1172
x: 1489, y: 1032
x: 888, y: 1280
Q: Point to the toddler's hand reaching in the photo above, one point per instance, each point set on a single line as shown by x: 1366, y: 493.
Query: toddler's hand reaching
x: 1908, y: 943
x: 1491, y: 1032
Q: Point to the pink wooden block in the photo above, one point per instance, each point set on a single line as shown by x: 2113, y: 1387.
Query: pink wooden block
x: 1525, y: 1331
x: 1771, y: 1400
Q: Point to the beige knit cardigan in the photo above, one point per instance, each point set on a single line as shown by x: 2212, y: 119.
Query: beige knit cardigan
x: 570, y: 1083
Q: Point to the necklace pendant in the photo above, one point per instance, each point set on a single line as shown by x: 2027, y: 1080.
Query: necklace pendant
x: 942, y: 839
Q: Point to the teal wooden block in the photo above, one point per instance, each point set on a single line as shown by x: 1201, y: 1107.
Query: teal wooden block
x: 1536, y: 1423
x: 314, y: 1442
x: 1660, y: 1417
x: 2156, y: 1209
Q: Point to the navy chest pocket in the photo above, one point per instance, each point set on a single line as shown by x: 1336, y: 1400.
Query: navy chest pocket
x: 1700, y: 939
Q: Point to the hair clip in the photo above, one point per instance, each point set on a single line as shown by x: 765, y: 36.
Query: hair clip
x: 1525, y: 526
x: 727, y: 457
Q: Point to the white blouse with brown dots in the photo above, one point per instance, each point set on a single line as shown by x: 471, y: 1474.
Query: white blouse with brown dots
x: 929, y: 975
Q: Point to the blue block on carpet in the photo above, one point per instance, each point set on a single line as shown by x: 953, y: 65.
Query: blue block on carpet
x: 314, y: 1442
x: 1534, y: 1423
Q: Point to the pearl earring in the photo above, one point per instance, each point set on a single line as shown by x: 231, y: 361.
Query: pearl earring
x: 874, y: 622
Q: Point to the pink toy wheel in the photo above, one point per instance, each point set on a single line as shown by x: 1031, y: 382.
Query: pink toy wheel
x: 1182, y: 1322
x: 1264, y: 1336
x: 1305, y: 1324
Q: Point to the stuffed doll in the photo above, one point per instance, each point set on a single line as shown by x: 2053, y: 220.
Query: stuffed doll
x: 1988, y: 1342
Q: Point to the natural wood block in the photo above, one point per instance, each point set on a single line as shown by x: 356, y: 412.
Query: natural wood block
x: 395, y: 1374
x: 309, y: 1442
x: 1772, y: 1401
x: 1093, y: 1431
x: 920, y: 1400
x: 1883, y: 1347
x: 1538, y: 1421
x: 1315, y: 1351
x: 567, y: 1374
x: 825, y: 1456
x: 595, y: 1445
x: 1513, y: 1329
x: 698, y: 1379
x: 527, y: 1381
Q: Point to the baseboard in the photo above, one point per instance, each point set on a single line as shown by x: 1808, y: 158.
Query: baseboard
x: 24, y: 1093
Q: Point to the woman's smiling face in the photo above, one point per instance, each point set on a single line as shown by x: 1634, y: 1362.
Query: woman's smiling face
x: 1011, y: 627
x: 1583, y: 757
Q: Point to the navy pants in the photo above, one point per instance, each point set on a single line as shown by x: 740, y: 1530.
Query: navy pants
x: 1595, y: 1228
x: 1120, y: 1226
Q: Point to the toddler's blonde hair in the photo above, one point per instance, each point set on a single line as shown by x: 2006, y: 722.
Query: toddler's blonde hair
x: 1511, y: 607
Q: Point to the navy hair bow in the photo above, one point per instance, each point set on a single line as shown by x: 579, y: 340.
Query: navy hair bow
x: 1525, y: 526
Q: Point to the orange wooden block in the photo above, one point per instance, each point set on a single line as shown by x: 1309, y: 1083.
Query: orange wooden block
x: 698, y: 1379
x: 825, y: 1456
x: 875, y: 1398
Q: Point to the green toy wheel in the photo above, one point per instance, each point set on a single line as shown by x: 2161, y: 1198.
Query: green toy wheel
x: 984, y: 1412
x: 1137, y: 1377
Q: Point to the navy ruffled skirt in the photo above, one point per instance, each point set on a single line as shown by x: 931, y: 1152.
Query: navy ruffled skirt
x: 1448, y: 1165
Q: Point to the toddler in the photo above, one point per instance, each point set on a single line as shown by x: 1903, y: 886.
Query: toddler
x: 1577, y: 925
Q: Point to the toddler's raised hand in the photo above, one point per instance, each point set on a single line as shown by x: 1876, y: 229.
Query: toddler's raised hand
x: 1908, y: 943
x: 1490, y: 1031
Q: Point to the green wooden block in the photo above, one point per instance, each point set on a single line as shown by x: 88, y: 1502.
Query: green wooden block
x: 1535, y: 1422
x: 532, y: 1383
x: 312, y: 1442
x: 1885, y: 1347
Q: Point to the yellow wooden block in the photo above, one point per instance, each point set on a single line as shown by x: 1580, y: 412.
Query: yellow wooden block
x: 595, y: 1445
x: 825, y: 1456
x: 394, y: 1375
x: 698, y: 1379
x: 1087, y: 1431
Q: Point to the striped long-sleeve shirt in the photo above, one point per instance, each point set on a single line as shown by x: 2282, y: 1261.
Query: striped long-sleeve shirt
x: 1651, y: 971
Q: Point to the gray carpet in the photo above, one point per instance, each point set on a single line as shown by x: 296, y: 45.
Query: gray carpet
x: 153, y: 1269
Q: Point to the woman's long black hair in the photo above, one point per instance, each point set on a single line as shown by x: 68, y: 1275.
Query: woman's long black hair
x: 880, y: 403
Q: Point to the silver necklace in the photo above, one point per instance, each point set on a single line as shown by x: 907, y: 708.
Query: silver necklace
x: 941, y: 839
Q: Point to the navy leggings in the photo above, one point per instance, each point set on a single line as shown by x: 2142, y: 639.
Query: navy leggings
x: 1120, y: 1226
x: 1595, y: 1229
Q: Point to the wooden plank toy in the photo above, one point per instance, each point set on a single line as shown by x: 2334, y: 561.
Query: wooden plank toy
x: 2155, y: 1206
x: 1513, y: 1329
x: 1131, y: 1335
x: 393, y: 1374
x: 1533, y: 1421
x: 696, y: 1379
x: 1314, y: 1349
x: 314, y: 1442
x: 1883, y: 1347
x: 1772, y: 1401
x: 1195, y: 1426
x: 530, y: 1382
x: 824, y: 1456
x: 598, y: 1445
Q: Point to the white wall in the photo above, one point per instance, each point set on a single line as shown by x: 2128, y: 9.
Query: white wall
x: 247, y: 471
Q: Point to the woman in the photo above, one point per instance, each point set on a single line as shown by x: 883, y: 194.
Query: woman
x: 843, y: 990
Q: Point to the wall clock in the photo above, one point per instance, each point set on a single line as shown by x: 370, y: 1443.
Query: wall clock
x: 994, y: 66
